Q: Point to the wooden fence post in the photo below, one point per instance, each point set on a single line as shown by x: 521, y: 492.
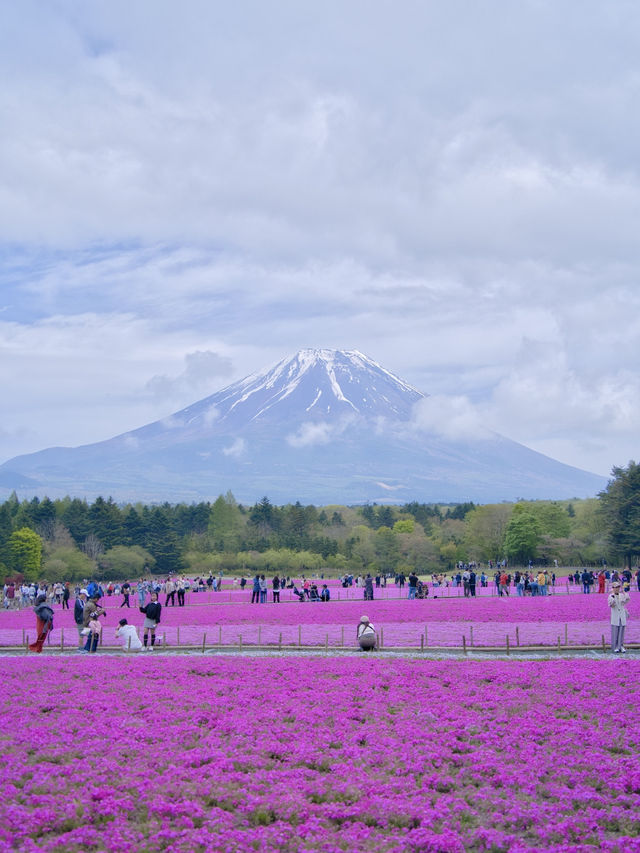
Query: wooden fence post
x: 326, y: 642
x: 517, y: 636
x: 603, y: 644
x: 219, y: 635
x: 559, y: 646
x: 178, y: 643
x: 259, y: 635
x: 508, y: 647
x: 342, y: 637
x: 204, y: 641
x: 240, y: 646
x: 426, y: 635
x: 464, y: 644
x: 299, y: 635
x: 566, y: 634
x: 471, y: 635
x: 421, y: 642
x: 280, y: 642
x: 382, y: 638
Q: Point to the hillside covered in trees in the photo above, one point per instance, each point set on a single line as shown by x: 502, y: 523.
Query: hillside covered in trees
x: 71, y: 539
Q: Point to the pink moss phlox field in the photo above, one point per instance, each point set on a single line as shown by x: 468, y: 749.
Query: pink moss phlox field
x: 540, y: 620
x: 244, y: 754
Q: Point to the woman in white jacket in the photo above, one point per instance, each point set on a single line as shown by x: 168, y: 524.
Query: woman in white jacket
x: 617, y: 602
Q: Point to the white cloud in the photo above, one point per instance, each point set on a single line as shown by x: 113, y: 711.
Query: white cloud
x: 236, y: 449
x: 311, y: 434
x: 287, y: 178
x: 450, y: 417
x: 202, y: 372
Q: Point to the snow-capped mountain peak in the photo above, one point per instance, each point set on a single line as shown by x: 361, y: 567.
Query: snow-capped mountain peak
x: 314, y: 383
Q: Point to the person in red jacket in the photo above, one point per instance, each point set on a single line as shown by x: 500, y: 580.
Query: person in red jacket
x: 44, y: 623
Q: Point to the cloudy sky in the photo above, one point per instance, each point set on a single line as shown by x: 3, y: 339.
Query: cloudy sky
x: 192, y: 191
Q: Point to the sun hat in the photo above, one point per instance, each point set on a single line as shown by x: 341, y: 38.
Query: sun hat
x: 364, y: 618
x: 616, y: 583
x: 84, y: 592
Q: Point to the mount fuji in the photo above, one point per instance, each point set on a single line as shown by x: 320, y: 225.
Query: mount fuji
x: 323, y: 427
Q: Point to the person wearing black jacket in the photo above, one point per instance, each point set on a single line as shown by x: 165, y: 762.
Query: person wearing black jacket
x: 78, y: 615
x: 151, y: 612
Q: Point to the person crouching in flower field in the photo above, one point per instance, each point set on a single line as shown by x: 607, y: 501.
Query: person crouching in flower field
x: 151, y: 612
x: 617, y: 602
x: 366, y: 634
x: 130, y: 638
x: 44, y: 623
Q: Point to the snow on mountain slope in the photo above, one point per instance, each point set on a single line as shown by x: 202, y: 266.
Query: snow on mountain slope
x: 325, y: 426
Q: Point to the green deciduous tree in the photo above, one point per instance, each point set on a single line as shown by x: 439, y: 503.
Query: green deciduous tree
x: 67, y: 563
x: 522, y: 536
x: 122, y: 563
x: 620, y: 506
x: 25, y: 553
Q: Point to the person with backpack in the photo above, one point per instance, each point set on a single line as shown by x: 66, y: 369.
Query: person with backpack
x: 44, y: 623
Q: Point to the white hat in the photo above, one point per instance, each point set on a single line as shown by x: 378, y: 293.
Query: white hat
x: 84, y: 592
x: 364, y: 618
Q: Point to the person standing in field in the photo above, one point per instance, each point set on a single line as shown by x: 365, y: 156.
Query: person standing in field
x: 44, y: 623
x: 617, y: 604
x: 472, y: 583
x: 180, y: 591
x: 263, y: 589
x: 126, y: 589
x: 92, y: 613
x: 78, y: 615
x: 170, y: 590
x: 504, y: 584
x: 152, y: 612
x: 413, y: 584
x: 275, y: 583
x: 255, y: 593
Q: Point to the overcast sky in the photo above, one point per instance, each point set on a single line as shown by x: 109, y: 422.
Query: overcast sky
x: 191, y: 191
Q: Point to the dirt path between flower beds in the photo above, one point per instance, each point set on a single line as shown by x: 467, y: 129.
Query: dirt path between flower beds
x: 532, y: 653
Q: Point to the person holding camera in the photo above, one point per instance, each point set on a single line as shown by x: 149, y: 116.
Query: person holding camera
x: 617, y: 603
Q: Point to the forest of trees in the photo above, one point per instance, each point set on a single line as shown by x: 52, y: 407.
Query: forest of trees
x: 72, y: 539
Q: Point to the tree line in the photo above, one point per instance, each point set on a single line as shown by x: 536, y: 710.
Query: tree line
x: 72, y: 539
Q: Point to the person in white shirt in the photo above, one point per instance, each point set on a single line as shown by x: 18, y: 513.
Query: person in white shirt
x: 130, y: 639
x: 617, y: 602
x: 366, y: 634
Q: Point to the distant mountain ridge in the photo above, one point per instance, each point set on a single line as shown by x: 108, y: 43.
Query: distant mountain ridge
x: 325, y: 426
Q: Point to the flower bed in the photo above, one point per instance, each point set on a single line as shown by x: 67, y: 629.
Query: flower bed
x: 539, y: 621
x: 239, y: 754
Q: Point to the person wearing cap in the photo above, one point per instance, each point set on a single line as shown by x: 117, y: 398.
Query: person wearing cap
x: 617, y: 602
x: 78, y: 616
x: 366, y: 634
